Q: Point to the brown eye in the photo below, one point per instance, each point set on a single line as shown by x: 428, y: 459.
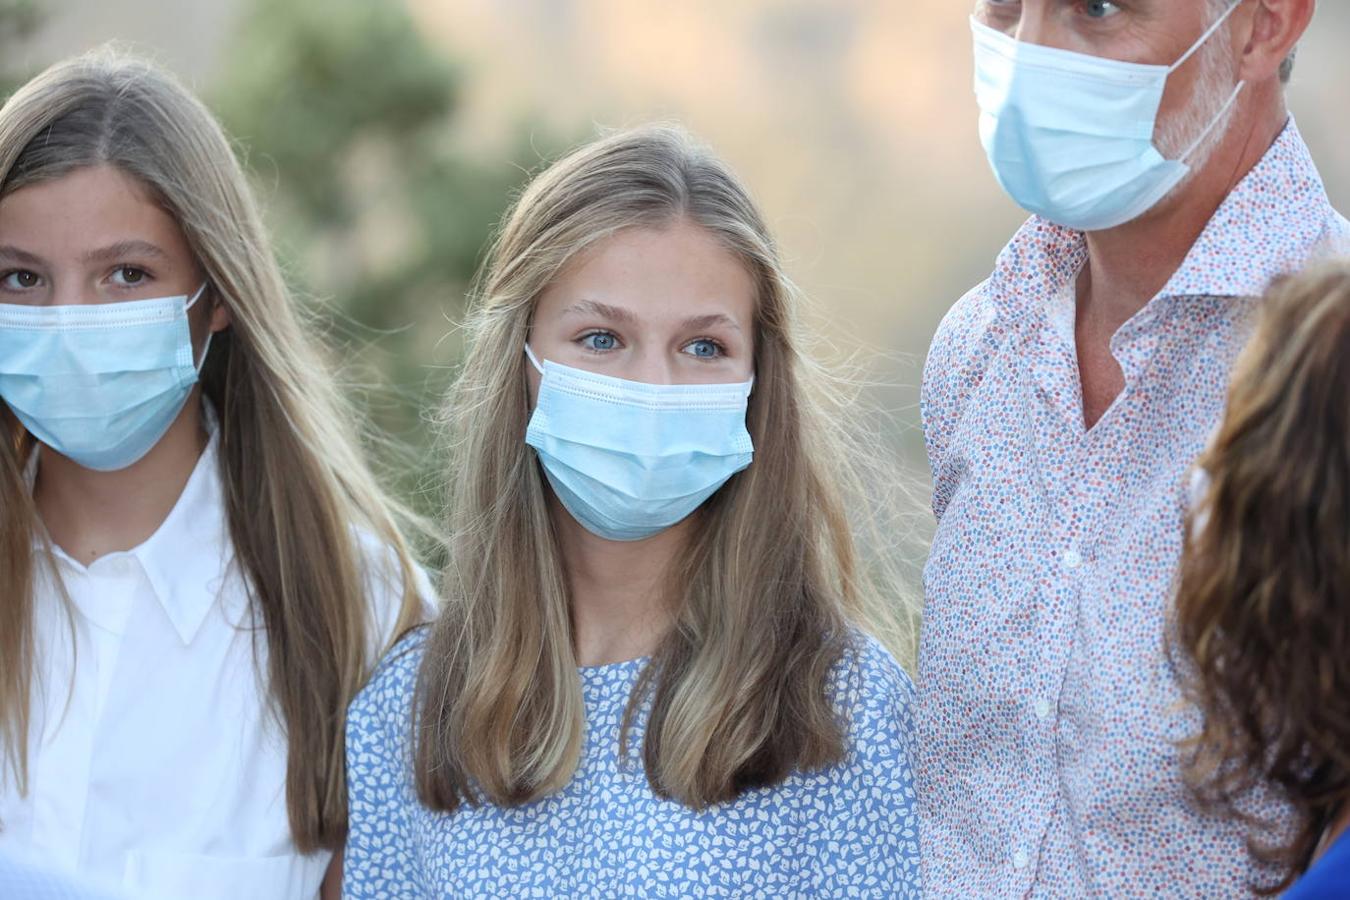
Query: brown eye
x: 129, y: 276
x: 21, y: 280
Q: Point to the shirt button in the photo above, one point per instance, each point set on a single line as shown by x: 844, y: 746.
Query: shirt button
x: 1042, y: 709
x: 1072, y: 558
x: 1020, y: 859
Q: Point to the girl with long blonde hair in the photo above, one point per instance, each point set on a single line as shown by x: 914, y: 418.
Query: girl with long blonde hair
x: 1262, y: 611
x: 197, y: 570
x: 651, y: 674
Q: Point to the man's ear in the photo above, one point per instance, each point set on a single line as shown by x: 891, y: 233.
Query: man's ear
x: 1276, y: 26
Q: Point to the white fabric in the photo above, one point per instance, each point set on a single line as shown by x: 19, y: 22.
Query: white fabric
x: 155, y: 764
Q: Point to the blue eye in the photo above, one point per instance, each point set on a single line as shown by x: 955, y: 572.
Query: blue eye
x: 600, y: 341
x: 1101, y: 9
x: 704, y: 349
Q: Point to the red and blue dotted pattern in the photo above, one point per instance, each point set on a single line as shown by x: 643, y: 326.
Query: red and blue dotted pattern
x: 1049, y: 713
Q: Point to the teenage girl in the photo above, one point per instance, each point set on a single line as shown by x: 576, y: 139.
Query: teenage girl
x: 651, y: 676
x: 196, y: 566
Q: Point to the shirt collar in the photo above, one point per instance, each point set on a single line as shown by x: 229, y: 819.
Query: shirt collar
x: 187, y: 558
x: 1272, y: 223
x: 1275, y: 220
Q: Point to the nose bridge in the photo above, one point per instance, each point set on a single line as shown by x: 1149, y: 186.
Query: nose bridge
x: 67, y: 286
x: 1037, y: 26
x: 653, y: 365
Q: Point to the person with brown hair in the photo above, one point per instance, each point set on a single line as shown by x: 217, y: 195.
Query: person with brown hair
x: 1261, y: 607
x: 653, y: 673
x: 197, y: 567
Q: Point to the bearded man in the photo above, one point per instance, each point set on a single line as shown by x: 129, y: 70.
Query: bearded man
x: 1064, y: 401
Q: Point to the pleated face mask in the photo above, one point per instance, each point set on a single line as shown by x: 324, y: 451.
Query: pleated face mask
x: 629, y: 460
x: 98, y: 383
x: 1070, y: 136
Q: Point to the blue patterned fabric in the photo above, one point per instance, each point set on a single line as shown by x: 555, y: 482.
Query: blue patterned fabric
x: 847, y: 831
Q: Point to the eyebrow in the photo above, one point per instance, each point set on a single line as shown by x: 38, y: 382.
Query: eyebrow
x: 124, y: 249
x: 619, y: 314
x: 602, y: 310
x: 23, y: 257
x: 120, y: 250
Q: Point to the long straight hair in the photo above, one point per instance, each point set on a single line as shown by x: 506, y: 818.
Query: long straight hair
x: 1261, y: 604
x: 297, y: 488
x: 764, y: 596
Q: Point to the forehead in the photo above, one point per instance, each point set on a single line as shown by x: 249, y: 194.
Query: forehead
x: 88, y: 206
x: 657, y: 274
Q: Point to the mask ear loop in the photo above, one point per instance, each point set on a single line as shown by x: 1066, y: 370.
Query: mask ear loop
x: 197, y: 364
x: 1204, y: 135
x: 1204, y: 38
x: 1232, y: 98
x: 534, y: 361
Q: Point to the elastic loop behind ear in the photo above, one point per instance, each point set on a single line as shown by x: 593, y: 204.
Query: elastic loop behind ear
x: 197, y: 296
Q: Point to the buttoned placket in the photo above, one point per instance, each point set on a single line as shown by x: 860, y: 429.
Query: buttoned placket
x: 1132, y: 346
x: 101, y: 596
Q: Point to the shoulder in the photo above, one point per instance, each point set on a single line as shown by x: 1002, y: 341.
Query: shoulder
x: 875, y: 697
x: 386, y: 700
x: 386, y: 587
x: 1336, y: 238
x: 960, y: 337
x: 967, y: 340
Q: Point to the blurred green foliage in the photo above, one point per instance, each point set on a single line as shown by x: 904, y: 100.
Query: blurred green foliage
x: 348, y: 120
x: 19, y: 19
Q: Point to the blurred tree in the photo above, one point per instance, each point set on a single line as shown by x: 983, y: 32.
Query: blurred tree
x: 347, y: 118
x: 18, y: 20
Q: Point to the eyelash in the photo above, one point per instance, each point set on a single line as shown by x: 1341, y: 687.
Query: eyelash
x: 597, y: 333
x: 146, y: 274
x: 721, y: 348
x: 8, y: 273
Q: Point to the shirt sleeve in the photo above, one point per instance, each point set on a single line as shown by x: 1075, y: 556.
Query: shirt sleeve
x: 380, y: 859
x: 965, y: 342
x: 862, y: 832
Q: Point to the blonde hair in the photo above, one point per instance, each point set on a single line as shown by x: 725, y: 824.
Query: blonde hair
x: 764, y: 596
x: 296, y: 486
x: 1261, y: 609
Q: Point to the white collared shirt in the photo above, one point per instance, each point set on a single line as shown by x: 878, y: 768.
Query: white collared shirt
x: 155, y: 764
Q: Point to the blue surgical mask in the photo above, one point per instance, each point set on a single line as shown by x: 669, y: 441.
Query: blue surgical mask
x: 1070, y: 136
x: 629, y: 460
x: 98, y: 383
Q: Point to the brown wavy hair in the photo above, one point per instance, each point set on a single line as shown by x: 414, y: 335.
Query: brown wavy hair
x: 1263, y: 607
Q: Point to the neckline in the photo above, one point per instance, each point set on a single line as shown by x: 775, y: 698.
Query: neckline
x: 602, y: 669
